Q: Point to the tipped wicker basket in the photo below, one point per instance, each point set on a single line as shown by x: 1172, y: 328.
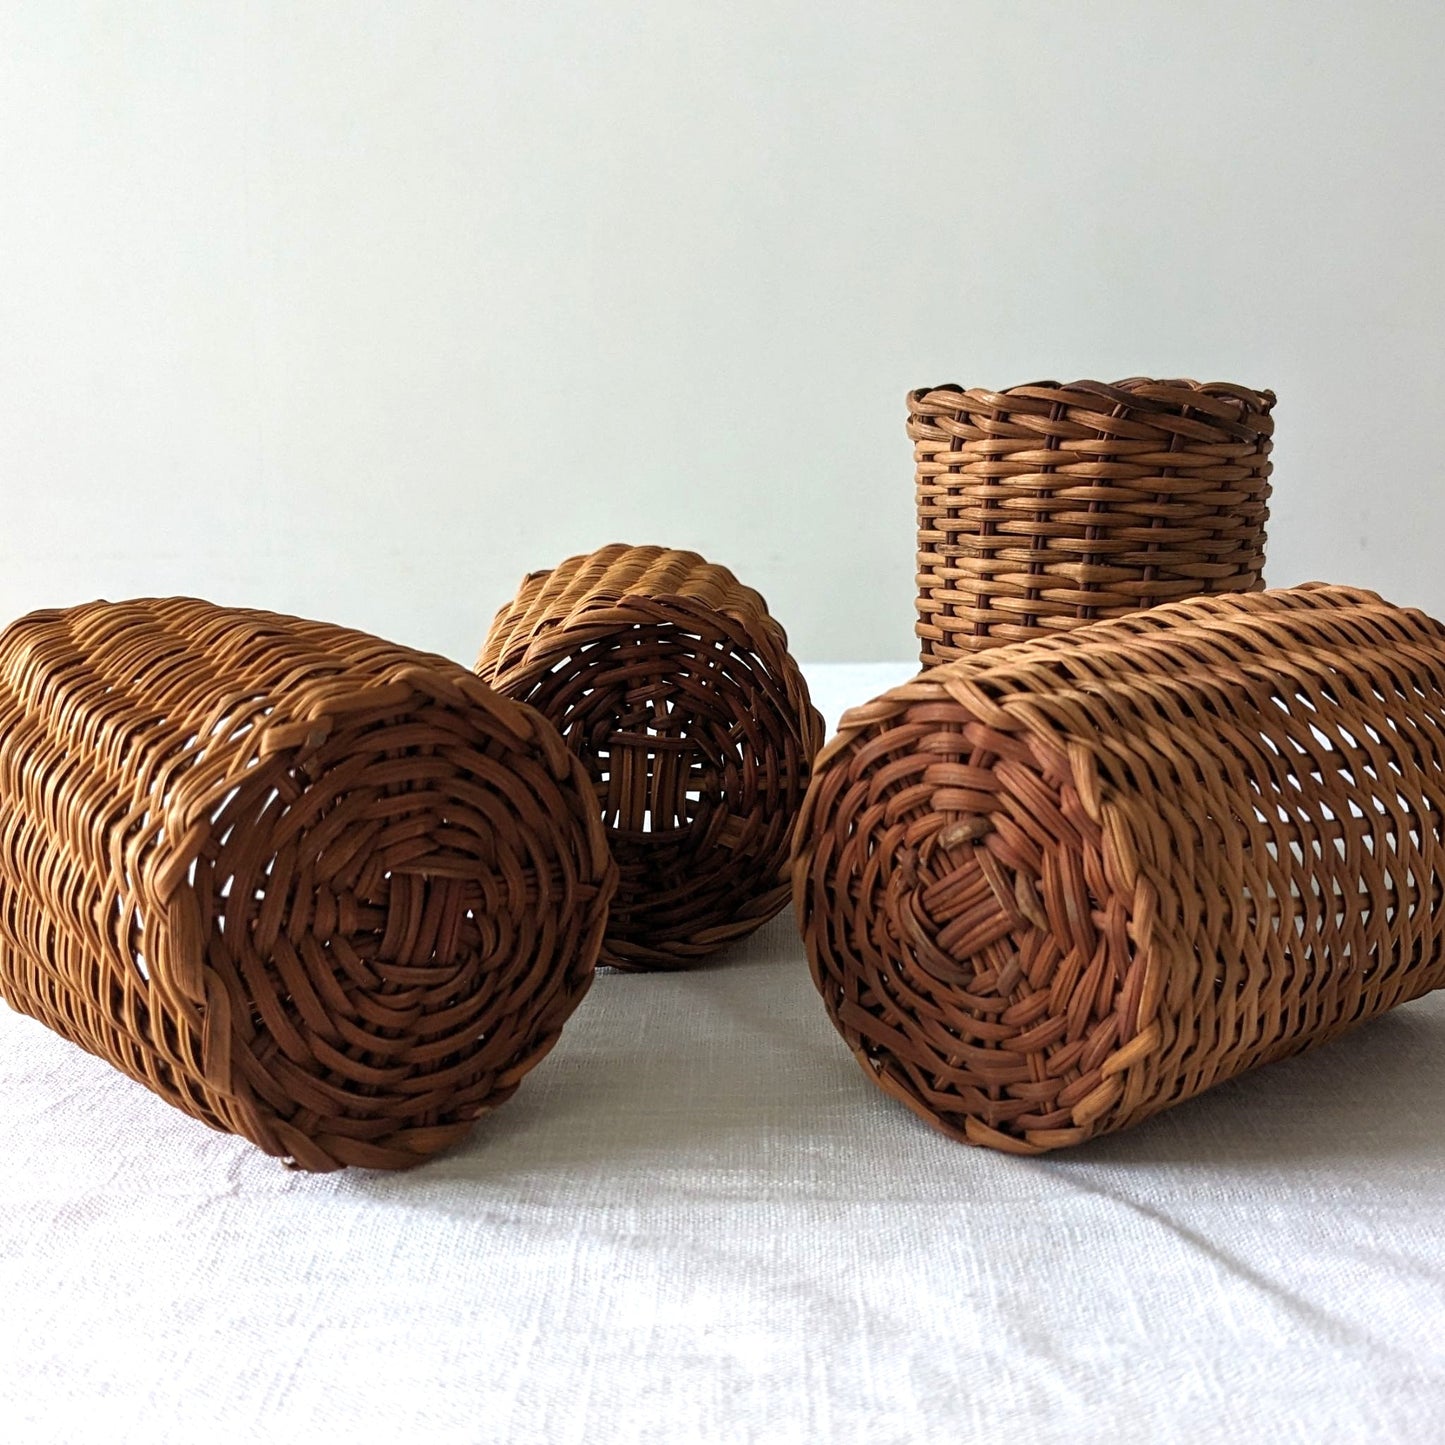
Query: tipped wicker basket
x: 312, y: 888
x: 1053, y: 889
x: 1046, y: 506
x: 674, y: 686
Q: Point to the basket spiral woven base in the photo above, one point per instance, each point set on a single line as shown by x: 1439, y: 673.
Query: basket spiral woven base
x: 674, y: 686
x: 1046, y: 506
x: 1050, y: 890
x: 312, y: 888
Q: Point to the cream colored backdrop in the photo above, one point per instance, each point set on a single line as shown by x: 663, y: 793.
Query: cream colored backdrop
x: 361, y: 311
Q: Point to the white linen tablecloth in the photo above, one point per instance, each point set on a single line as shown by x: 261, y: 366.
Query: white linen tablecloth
x: 697, y: 1221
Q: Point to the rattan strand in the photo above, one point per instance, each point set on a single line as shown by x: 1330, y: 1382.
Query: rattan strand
x: 675, y: 687
x: 1047, y: 506
x: 310, y: 887
x: 1055, y: 888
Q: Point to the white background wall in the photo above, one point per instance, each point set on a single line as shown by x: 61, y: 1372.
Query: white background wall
x: 361, y: 311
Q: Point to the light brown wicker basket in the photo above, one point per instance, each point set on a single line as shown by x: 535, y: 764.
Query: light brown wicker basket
x: 1055, y: 888
x: 672, y: 683
x: 312, y: 888
x: 1047, y: 506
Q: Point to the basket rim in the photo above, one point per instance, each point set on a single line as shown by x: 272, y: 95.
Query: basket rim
x: 1259, y: 399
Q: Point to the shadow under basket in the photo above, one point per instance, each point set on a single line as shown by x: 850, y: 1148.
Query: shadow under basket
x: 312, y: 888
x: 674, y: 686
x: 1053, y: 889
x: 1045, y: 506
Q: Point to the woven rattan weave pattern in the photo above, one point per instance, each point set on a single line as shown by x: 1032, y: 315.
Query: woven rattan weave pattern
x: 674, y: 686
x: 1052, y: 889
x: 312, y: 888
x: 1046, y: 506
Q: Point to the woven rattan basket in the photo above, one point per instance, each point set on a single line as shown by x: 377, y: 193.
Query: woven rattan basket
x: 312, y: 888
x: 1053, y: 889
x: 1046, y: 506
x: 674, y: 686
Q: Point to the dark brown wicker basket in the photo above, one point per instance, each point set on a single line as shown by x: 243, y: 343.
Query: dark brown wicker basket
x: 1053, y: 889
x: 312, y: 888
x: 1047, y: 506
x: 674, y: 686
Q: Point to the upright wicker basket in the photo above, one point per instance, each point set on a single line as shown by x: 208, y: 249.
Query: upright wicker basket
x: 1055, y: 888
x: 1046, y: 506
x: 312, y: 888
x: 672, y: 683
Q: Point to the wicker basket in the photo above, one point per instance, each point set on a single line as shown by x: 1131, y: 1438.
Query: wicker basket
x: 1046, y: 506
x: 1051, y: 890
x: 312, y: 888
x: 674, y: 686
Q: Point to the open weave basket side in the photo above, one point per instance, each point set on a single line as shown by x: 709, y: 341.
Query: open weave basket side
x: 1046, y: 506
x: 674, y: 685
x: 1055, y: 888
x: 310, y: 887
